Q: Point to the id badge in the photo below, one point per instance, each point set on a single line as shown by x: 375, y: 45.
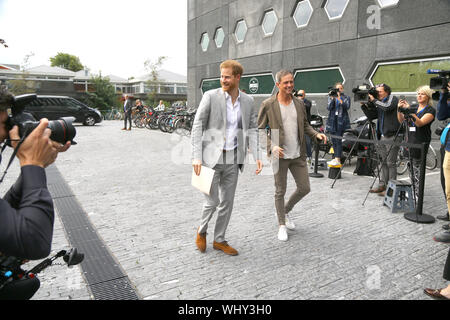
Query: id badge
x: 412, y: 129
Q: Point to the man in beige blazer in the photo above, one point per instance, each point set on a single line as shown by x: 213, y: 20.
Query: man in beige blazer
x: 283, y: 117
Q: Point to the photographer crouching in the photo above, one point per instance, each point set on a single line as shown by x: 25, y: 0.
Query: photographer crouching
x: 387, y: 128
x: 26, y: 210
x: 419, y: 118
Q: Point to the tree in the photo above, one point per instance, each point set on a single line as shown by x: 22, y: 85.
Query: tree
x: 153, y: 83
x: 21, y: 85
x: 104, y: 97
x: 66, y: 61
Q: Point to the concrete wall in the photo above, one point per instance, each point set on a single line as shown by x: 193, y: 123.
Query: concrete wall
x: 411, y: 29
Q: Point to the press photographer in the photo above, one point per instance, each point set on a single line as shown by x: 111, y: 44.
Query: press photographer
x: 338, y: 119
x: 419, y: 118
x: 387, y: 128
x: 26, y: 210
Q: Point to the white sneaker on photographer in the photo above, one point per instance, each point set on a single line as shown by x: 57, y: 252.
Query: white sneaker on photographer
x: 282, y: 233
x: 334, y: 162
x: 289, y: 223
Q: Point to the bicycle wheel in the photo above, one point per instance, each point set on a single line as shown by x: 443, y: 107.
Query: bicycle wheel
x: 431, y: 161
x: 402, y: 161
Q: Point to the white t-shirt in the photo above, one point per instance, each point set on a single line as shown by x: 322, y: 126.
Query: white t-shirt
x: 291, y: 142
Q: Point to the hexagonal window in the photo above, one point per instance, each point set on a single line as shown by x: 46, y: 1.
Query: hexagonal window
x: 219, y: 37
x: 335, y: 8
x: 387, y: 3
x: 269, y: 23
x: 240, y: 31
x: 303, y: 13
x: 204, y: 42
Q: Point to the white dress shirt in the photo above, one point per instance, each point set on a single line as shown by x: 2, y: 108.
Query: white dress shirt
x: 234, y: 118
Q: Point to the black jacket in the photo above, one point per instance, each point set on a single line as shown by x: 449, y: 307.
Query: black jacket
x: 27, y: 216
x: 388, y: 124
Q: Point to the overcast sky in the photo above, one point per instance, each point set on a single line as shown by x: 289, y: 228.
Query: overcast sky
x: 114, y: 37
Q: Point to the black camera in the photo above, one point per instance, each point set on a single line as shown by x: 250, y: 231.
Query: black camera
x: 361, y: 93
x: 440, y: 82
x: 62, y: 129
x: 334, y: 92
x: 406, y: 111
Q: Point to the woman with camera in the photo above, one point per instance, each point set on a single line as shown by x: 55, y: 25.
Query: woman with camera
x: 419, y: 117
x: 338, y: 120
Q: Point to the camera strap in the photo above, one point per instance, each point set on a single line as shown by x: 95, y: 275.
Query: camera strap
x: 444, y: 136
x: 11, y: 159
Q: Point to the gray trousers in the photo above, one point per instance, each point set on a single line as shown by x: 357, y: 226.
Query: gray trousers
x: 389, y: 165
x: 221, y: 197
x: 299, y: 171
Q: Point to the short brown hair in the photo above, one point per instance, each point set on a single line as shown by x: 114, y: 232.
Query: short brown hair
x: 233, y: 65
x: 281, y: 74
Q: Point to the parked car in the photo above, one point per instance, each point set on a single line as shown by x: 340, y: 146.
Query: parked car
x: 55, y: 107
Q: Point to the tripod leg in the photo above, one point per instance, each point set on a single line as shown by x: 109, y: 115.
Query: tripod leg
x: 348, y: 158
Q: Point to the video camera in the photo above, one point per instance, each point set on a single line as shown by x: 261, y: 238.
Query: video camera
x: 62, y: 129
x: 334, y: 92
x: 440, y: 82
x: 361, y: 93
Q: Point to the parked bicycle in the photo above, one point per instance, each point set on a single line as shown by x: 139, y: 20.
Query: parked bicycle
x: 403, y: 160
x: 113, y: 114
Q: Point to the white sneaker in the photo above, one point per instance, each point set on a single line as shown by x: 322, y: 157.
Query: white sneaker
x: 282, y: 233
x: 289, y: 223
x: 334, y: 162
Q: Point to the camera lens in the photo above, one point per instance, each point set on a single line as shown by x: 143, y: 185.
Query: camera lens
x: 62, y: 130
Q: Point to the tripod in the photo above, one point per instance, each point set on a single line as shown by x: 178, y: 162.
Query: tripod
x: 372, y: 134
x: 404, y: 124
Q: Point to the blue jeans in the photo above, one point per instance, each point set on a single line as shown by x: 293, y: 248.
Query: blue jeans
x: 308, y: 146
x: 337, y: 145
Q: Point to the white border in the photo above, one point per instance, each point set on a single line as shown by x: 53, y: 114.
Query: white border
x: 266, y: 34
x: 338, y: 17
x: 387, y: 6
x: 215, y: 34
x: 235, y: 29
x: 402, y: 62
x: 310, y: 16
x: 201, y: 40
x: 320, y: 69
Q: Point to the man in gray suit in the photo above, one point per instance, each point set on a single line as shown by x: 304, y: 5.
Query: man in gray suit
x: 127, y: 112
x: 225, y: 126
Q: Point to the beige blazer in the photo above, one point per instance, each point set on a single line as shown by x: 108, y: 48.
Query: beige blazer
x: 269, y: 121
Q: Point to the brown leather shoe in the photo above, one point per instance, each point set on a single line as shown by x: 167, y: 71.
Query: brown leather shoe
x: 225, y: 248
x: 124, y: 129
x: 200, y: 241
x: 378, y: 190
x: 435, y: 294
x: 129, y: 129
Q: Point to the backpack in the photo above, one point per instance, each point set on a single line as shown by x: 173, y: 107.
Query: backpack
x: 365, y: 167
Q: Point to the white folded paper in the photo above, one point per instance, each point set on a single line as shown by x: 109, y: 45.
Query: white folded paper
x: 204, y: 180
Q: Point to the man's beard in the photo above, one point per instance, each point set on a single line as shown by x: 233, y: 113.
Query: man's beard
x: 227, y: 88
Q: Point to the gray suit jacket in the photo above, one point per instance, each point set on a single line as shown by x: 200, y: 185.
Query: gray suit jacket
x: 209, y: 128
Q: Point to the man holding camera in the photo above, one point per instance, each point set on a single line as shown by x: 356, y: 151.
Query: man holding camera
x: 26, y: 211
x: 387, y: 129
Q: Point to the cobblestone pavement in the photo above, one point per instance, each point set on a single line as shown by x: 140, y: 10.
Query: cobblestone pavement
x: 135, y: 187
